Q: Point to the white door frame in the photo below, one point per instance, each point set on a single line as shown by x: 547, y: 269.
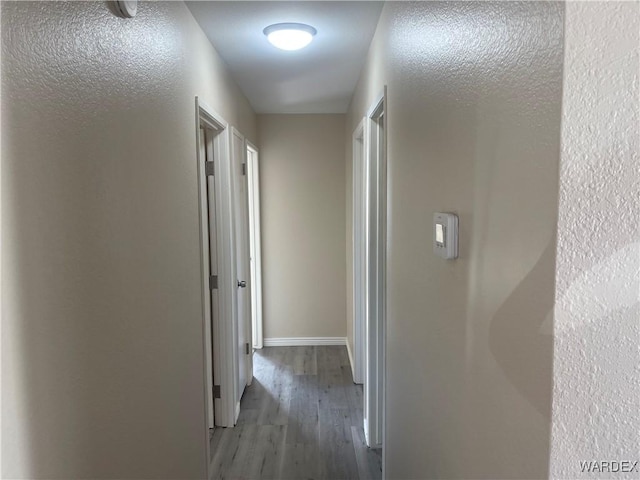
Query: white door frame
x: 253, y: 178
x: 359, y: 258
x: 376, y: 245
x: 223, y: 344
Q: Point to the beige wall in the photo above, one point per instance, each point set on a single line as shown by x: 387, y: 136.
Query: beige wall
x: 596, y: 395
x: 102, y: 354
x: 302, y: 189
x: 474, y: 96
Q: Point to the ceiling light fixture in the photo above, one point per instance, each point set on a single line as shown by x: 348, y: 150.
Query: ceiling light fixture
x: 290, y: 36
x: 126, y: 8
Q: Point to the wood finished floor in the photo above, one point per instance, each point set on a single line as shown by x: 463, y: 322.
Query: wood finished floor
x: 301, y: 418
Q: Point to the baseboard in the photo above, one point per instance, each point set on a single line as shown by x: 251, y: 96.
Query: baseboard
x: 353, y: 370
x: 303, y: 341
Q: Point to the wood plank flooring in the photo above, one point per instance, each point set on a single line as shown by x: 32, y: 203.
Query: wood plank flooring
x: 301, y: 418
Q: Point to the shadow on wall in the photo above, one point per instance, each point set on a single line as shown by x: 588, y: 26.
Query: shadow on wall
x: 520, y: 346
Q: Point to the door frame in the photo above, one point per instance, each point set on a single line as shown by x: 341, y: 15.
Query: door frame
x: 222, y: 330
x: 376, y: 248
x: 253, y: 180
x: 359, y: 257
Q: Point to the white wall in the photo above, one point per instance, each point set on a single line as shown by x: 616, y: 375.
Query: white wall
x: 474, y: 96
x: 596, y: 393
x: 101, y: 329
x: 302, y: 188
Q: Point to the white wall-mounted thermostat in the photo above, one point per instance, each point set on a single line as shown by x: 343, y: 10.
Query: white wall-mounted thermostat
x: 445, y: 235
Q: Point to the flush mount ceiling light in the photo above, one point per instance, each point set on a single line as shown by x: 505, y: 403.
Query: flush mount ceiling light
x: 290, y: 36
x: 127, y: 8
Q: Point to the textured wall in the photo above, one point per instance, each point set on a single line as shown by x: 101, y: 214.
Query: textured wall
x: 474, y: 96
x: 302, y: 189
x: 101, y: 324
x: 596, y: 394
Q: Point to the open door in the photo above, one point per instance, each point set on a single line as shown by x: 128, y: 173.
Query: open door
x: 241, y: 214
x: 216, y: 248
x: 210, y: 250
x: 253, y: 182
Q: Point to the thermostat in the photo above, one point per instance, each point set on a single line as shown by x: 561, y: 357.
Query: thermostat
x: 445, y: 235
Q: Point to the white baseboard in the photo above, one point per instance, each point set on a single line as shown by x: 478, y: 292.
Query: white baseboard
x: 303, y: 341
x: 353, y: 371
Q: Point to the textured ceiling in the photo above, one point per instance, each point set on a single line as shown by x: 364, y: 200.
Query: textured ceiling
x: 318, y: 79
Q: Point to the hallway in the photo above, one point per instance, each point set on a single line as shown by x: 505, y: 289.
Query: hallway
x: 124, y: 277
x: 300, y: 418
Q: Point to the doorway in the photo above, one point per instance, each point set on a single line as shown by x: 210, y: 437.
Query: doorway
x: 207, y: 134
x: 359, y: 254
x: 371, y: 274
x: 217, y: 269
x: 253, y: 181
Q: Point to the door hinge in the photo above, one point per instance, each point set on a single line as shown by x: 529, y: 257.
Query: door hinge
x: 246, y: 349
x: 213, y: 282
x: 244, y: 169
x: 216, y: 391
x: 209, y: 168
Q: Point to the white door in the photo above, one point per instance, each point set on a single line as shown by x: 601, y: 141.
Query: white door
x: 253, y: 182
x: 245, y: 349
x: 206, y: 153
x: 218, y: 255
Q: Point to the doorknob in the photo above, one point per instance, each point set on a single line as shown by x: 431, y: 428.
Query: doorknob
x: 242, y: 283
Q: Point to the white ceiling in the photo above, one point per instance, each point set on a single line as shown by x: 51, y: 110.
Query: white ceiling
x: 320, y: 78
